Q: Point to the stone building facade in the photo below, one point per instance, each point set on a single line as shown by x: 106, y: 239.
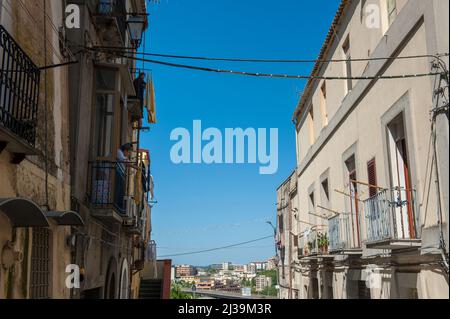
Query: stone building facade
x: 110, y: 193
x: 34, y: 152
x: 372, y: 156
x: 68, y: 202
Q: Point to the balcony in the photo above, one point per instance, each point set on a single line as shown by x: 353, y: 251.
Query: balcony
x: 315, y: 243
x: 390, y: 218
x: 135, y: 108
x: 108, y: 191
x: 341, y: 237
x: 19, y: 96
x: 110, y: 17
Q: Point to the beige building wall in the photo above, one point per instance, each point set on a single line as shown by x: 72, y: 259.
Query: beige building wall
x: 287, y: 228
x: 354, y: 121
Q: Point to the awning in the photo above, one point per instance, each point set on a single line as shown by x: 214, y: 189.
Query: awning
x: 23, y: 212
x: 66, y: 218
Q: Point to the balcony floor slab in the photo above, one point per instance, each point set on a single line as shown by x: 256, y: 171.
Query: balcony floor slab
x: 393, y: 244
x: 15, y: 144
x: 107, y: 214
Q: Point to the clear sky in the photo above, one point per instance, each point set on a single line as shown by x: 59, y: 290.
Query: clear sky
x: 205, y: 206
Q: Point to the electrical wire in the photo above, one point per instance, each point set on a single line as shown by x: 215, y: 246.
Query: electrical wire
x: 273, y: 75
x: 217, y: 248
x: 172, y: 56
x: 45, y: 115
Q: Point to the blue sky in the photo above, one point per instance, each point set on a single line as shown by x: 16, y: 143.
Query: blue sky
x: 206, y: 206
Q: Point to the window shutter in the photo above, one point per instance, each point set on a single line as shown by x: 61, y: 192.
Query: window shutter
x: 372, y: 175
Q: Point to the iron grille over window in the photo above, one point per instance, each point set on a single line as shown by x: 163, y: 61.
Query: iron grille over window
x: 40, y: 264
x: 19, y: 89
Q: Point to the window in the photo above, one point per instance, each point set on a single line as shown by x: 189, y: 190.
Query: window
x: 104, y: 128
x: 105, y: 108
x: 325, y: 193
x: 348, y: 64
x: 311, y: 209
x: 312, y: 137
x: 40, y: 264
x: 391, y: 10
x: 323, y: 104
x: 372, y: 176
x: 401, y: 178
x: 353, y: 200
x: 105, y: 79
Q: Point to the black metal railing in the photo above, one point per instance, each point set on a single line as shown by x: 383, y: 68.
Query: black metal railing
x: 108, y: 187
x: 19, y: 89
x: 115, y: 9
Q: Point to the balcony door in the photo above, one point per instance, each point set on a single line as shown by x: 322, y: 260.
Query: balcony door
x: 108, y: 177
x: 107, y: 114
x: 353, y: 202
x: 404, y: 225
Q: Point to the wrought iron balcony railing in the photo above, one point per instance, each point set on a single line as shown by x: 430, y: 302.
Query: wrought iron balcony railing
x: 336, y: 235
x: 108, y: 187
x: 341, y: 235
x: 391, y: 215
x: 312, y: 238
x: 19, y: 89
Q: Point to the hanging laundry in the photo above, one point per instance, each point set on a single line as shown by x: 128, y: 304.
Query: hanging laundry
x: 150, y: 102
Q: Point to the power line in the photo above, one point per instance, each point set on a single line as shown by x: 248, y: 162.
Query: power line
x: 281, y: 76
x: 218, y: 248
x: 127, y: 50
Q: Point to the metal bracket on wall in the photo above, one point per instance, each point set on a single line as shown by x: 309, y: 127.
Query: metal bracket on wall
x: 17, y: 158
x: 3, y: 146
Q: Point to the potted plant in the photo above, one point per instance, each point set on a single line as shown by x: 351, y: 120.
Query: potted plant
x: 323, y: 242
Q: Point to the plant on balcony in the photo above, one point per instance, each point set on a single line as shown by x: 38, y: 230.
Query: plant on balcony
x: 306, y: 250
x: 323, y: 242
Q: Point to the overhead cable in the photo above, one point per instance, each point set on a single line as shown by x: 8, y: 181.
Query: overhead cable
x: 282, y: 76
x: 215, y: 249
x: 172, y: 56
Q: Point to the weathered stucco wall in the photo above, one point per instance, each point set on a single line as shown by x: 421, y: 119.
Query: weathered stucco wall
x: 28, y: 180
